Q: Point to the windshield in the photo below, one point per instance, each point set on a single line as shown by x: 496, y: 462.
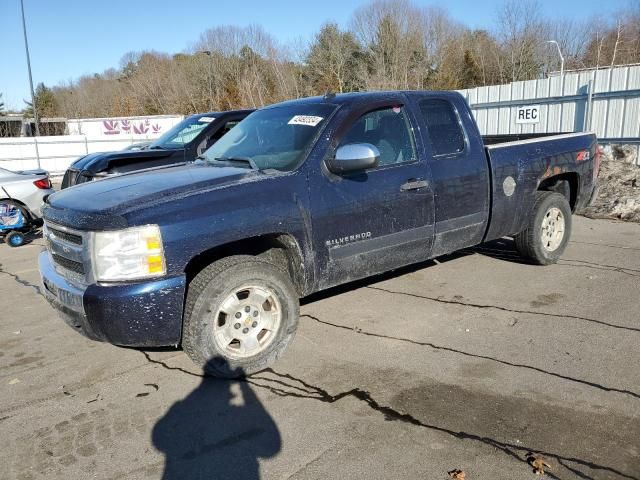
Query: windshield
x: 276, y: 137
x: 182, y: 133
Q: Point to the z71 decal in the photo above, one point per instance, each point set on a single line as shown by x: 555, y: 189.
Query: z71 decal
x: 583, y: 155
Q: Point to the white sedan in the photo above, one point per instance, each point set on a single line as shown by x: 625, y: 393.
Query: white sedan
x: 28, y: 189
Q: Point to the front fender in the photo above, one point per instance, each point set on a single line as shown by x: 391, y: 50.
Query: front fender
x: 253, y: 207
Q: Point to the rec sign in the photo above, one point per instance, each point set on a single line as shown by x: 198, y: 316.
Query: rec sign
x: 528, y: 114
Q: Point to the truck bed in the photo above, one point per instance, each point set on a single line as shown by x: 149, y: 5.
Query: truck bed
x: 515, y: 137
x: 520, y: 164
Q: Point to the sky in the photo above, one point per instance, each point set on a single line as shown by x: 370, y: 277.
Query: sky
x: 70, y: 38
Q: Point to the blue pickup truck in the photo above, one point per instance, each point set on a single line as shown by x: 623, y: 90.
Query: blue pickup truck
x: 299, y: 197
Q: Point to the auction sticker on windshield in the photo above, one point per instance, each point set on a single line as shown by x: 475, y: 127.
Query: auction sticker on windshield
x: 206, y: 119
x: 310, y: 120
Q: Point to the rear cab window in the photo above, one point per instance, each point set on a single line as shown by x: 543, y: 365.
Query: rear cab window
x: 443, y: 127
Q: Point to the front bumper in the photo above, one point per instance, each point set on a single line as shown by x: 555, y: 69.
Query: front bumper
x: 147, y: 314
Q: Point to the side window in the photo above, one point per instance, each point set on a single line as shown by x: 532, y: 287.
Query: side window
x: 445, y: 133
x: 222, y: 131
x: 388, y: 130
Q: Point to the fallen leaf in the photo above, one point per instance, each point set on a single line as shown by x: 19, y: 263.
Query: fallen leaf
x: 538, y: 463
x: 456, y: 474
x: 14, y: 381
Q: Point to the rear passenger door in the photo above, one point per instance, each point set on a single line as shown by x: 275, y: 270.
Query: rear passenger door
x: 459, y: 173
x: 372, y: 221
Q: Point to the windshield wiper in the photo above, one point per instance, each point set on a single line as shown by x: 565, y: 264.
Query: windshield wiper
x: 241, y: 160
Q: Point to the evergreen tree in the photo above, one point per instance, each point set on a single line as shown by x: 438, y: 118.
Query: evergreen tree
x: 335, y: 61
x: 470, y: 76
x: 45, y: 102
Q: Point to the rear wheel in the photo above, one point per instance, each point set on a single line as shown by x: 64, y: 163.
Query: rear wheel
x: 548, y: 229
x: 241, y: 314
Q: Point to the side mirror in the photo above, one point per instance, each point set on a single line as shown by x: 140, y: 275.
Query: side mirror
x: 354, y: 157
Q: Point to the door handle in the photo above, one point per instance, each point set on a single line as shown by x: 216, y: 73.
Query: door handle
x: 413, y: 184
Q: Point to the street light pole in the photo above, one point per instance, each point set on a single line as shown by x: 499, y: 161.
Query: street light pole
x: 33, y: 96
x: 561, y: 57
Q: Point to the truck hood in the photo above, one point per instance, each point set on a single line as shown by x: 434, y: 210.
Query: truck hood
x: 118, y: 195
x: 98, y: 162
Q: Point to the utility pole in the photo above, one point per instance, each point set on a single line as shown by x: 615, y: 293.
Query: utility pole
x: 561, y: 57
x: 33, y: 96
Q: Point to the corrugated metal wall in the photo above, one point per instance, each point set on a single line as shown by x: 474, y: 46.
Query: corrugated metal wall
x: 614, y: 112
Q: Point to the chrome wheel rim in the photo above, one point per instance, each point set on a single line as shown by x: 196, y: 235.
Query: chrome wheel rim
x: 552, y: 231
x: 247, y: 321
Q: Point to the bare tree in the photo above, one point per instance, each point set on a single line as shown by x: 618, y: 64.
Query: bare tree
x: 390, y: 44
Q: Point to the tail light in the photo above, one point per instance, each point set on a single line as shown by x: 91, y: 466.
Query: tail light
x: 43, y: 183
x: 596, y: 162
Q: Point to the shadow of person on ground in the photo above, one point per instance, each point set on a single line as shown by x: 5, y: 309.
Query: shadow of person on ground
x: 220, y: 430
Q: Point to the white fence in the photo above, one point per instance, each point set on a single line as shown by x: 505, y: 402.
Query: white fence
x: 606, y: 101
x: 56, y: 153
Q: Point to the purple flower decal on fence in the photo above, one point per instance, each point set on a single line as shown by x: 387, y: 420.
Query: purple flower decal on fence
x: 156, y: 128
x: 111, y: 127
x: 140, y: 129
x: 126, y: 125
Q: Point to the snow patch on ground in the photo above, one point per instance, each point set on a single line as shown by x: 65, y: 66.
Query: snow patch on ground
x: 619, y: 181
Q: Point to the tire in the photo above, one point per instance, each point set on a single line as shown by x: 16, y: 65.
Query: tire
x: 541, y: 242
x: 207, y: 329
x: 15, y: 239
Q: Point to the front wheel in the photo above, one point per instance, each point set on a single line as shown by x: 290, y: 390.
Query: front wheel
x: 548, y: 229
x: 240, y: 315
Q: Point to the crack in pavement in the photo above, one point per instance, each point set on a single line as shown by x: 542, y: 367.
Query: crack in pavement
x: 304, y: 390
x: 512, y: 255
x: 504, y: 309
x: 359, y: 331
x: 605, y: 245
x: 21, y: 281
x: 613, y: 268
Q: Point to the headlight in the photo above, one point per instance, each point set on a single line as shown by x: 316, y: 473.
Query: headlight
x: 128, y: 254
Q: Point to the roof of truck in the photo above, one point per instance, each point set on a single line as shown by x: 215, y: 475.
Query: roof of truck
x: 361, y: 97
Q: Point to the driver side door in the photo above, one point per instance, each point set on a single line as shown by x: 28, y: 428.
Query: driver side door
x: 368, y: 222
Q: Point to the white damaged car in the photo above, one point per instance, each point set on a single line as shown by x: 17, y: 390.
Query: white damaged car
x: 27, y: 189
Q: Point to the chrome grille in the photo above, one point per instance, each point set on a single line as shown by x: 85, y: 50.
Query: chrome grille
x: 68, y: 250
x: 66, y: 236
x: 72, y: 265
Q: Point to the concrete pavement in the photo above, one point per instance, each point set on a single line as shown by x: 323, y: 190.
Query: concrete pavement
x: 475, y: 361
